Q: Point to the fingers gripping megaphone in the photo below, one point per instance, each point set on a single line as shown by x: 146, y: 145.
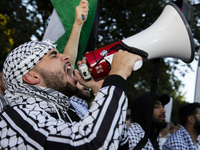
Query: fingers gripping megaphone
x: 169, y: 36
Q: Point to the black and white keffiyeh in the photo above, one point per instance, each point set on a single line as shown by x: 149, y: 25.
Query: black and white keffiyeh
x: 20, y: 61
x: 136, y: 133
x: 79, y: 105
x: 180, y: 140
x: 3, y: 102
x: 48, y: 99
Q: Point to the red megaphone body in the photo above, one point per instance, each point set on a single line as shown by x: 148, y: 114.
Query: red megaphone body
x: 98, y: 65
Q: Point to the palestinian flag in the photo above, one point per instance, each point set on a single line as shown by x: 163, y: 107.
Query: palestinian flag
x: 61, y: 23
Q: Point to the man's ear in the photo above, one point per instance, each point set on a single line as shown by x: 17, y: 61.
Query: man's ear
x: 191, y: 119
x: 31, y: 77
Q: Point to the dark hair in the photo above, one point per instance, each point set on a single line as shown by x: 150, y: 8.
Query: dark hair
x: 187, y: 110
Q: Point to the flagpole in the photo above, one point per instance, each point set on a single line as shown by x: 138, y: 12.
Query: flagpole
x: 197, y: 86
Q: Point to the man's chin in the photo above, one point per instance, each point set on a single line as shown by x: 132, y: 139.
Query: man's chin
x: 161, y: 125
x: 197, y: 126
x: 69, y: 90
x: 83, y: 96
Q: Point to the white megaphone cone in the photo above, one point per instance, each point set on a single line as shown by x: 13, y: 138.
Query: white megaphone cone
x: 168, y: 36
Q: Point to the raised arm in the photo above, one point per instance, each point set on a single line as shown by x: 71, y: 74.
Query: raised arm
x: 71, y: 47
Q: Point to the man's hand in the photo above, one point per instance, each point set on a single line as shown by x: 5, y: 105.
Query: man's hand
x: 123, y: 63
x: 81, y: 10
x: 94, y: 85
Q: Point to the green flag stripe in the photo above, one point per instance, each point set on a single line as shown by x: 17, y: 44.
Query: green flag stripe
x: 66, y: 12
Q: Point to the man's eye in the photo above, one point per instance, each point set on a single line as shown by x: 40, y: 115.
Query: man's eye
x: 54, y: 54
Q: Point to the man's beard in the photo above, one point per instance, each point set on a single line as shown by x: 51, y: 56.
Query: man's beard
x: 81, y: 94
x: 160, y: 125
x: 54, y: 80
x: 197, y: 125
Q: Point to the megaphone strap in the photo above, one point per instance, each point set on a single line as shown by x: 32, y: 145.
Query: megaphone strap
x: 133, y: 50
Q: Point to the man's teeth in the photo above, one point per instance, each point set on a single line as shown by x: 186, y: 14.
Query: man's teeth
x: 69, y: 67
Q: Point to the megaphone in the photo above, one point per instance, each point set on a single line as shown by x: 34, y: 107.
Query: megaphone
x: 169, y: 36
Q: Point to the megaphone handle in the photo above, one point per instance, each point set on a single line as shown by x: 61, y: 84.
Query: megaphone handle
x: 138, y: 64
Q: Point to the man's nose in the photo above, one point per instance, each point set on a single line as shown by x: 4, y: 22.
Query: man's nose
x: 65, y: 57
x: 163, y: 110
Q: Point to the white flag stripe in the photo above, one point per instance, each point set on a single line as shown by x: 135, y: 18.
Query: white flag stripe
x: 55, y: 28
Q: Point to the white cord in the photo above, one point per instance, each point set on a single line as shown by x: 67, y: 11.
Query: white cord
x: 59, y: 113
x: 56, y: 110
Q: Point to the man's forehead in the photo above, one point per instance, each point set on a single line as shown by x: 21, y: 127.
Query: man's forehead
x: 47, y: 56
x: 49, y: 52
x: 157, y: 102
x: 53, y: 49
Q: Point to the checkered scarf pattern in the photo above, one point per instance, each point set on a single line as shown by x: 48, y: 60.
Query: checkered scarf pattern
x: 23, y: 58
x: 20, y: 61
x: 3, y: 103
x: 180, y: 140
x: 136, y: 133
x: 79, y: 105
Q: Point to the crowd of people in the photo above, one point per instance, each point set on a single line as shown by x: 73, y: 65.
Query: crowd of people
x: 43, y: 103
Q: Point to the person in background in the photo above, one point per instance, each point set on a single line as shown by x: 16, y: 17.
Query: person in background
x: 79, y: 102
x: 185, y: 138
x: 167, y: 132
x: 139, y: 109
x: 164, y: 134
x: 128, y: 120
x: 173, y: 128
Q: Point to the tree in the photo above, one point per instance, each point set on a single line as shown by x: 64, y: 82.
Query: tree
x: 40, y: 12
x: 7, y: 40
x: 120, y: 19
x: 19, y: 22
